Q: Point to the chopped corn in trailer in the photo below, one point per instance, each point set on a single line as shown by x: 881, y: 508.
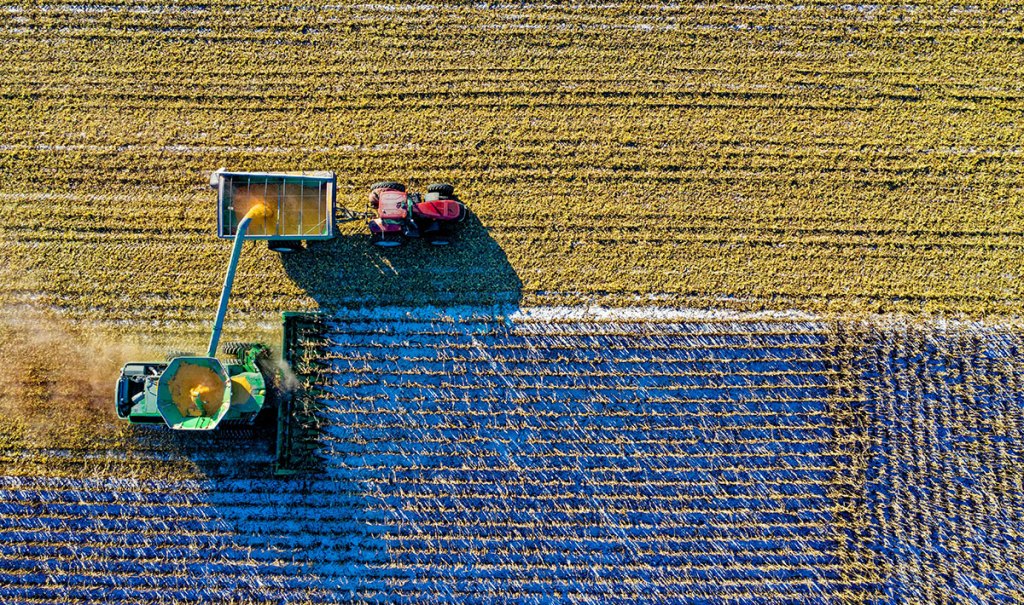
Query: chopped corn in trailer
x: 299, y: 206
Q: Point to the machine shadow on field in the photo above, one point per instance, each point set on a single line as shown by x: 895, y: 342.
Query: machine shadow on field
x: 350, y: 272
x: 344, y: 273
x: 323, y: 521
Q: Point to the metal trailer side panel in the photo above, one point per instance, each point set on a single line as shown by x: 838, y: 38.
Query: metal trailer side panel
x: 324, y: 182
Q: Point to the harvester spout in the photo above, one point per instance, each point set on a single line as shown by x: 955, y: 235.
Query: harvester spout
x: 258, y: 210
x: 197, y: 398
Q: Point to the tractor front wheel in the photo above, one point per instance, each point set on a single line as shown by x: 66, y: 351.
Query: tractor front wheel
x: 442, y: 189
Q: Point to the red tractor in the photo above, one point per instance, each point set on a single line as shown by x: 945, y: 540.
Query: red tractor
x: 399, y: 214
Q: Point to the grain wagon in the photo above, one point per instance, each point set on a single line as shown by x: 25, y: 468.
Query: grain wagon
x: 299, y: 206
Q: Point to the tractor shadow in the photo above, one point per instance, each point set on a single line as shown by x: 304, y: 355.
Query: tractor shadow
x: 349, y: 272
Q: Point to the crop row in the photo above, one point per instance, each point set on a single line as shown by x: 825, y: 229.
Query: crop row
x: 944, y: 474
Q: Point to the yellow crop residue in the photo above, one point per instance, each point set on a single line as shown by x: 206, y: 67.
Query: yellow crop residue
x: 199, y: 391
x: 289, y: 210
x: 257, y: 211
x: 191, y: 381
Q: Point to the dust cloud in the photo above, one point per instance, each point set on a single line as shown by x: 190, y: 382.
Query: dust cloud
x: 57, y: 381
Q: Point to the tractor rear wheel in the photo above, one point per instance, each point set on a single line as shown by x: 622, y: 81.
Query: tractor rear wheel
x: 443, y: 189
x: 388, y: 185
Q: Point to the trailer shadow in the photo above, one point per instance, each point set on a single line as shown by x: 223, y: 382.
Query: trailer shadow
x: 350, y: 272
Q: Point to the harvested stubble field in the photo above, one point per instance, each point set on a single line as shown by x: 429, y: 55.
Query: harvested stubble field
x: 787, y: 155
x: 825, y: 158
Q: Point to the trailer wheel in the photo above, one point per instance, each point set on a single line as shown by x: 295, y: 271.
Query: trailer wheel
x: 386, y: 240
x: 443, y: 189
x: 388, y: 185
x: 285, y: 246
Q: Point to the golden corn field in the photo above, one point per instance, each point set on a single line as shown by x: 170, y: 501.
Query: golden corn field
x: 735, y: 317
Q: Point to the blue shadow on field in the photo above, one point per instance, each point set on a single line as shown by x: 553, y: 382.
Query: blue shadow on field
x: 473, y: 457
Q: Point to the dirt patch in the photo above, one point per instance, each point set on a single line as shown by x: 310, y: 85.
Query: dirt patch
x: 57, y: 382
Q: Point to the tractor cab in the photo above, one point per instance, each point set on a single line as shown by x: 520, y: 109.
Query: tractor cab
x: 401, y: 214
x: 393, y: 204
